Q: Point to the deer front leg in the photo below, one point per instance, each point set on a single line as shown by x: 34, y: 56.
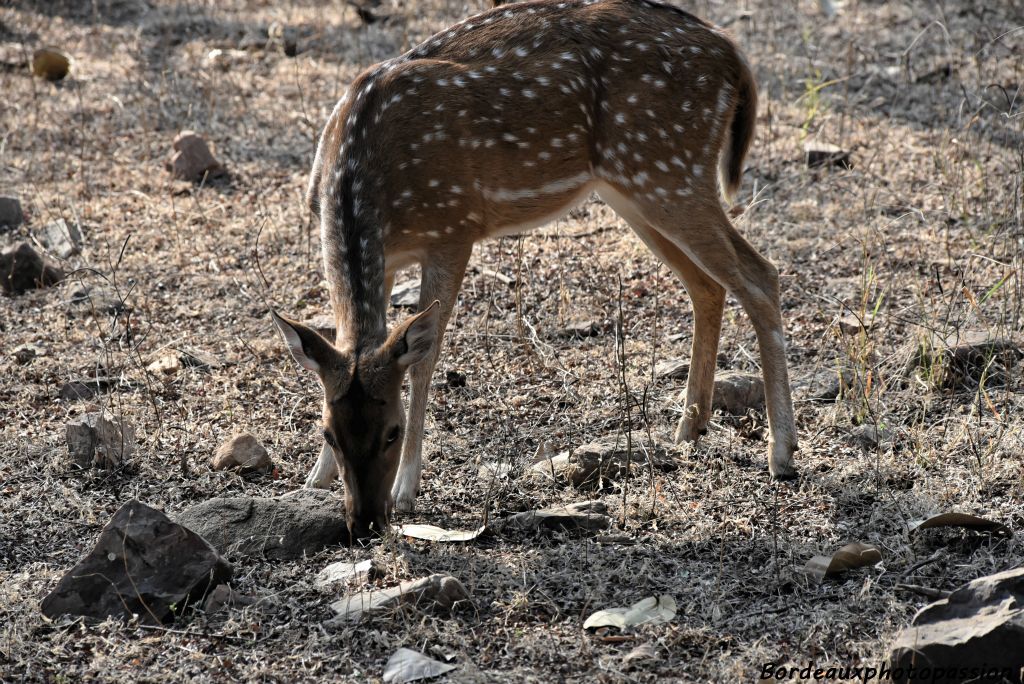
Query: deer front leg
x: 324, y: 472
x: 442, y: 277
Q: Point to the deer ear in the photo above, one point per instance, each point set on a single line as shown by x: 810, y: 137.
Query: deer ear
x: 414, y: 339
x: 307, y: 346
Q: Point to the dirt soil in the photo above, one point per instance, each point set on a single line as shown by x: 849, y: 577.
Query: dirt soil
x: 924, y: 234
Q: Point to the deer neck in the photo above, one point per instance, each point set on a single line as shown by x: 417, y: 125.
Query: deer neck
x: 352, y: 234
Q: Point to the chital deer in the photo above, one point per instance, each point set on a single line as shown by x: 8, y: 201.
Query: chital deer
x: 502, y: 123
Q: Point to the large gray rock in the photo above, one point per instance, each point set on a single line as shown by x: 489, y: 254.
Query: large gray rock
x: 286, y: 527
x: 980, y: 625
x: 142, y: 564
x: 22, y: 268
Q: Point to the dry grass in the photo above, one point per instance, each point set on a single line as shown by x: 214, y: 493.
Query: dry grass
x: 924, y: 228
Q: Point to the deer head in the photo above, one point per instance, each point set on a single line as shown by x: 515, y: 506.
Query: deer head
x: 363, y: 416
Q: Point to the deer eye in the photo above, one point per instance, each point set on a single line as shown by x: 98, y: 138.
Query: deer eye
x: 393, y: 435
x: 329, y: 438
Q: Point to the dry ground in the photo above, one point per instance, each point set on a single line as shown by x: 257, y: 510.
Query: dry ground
x: 926, y: 228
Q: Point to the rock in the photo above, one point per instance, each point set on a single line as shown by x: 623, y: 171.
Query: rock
x: 243, y: 453
x: 22, y: 268
x: 142, y: 564
x: 854, y: 325
x: 342, y: 571
x: 253, y: 39
x: 24, y: 353
x: 980, y: 625
x: 494, y: 470
x: 454, y: 379
x: 85, y: 388
x: 737, y: 392
x: 962, y: 358
x: 284, y: 528
x: 98, y: 439
x: 672, y: 369
x: 583, y: 328
x: 406, y: 294
x: 102, y: 300
x: 870, y: 437
x: 583, y: 515
x: 50, y: 63
x: 823, y: 386
x: 323, y: 325
x: 223, y: 597
x: 225, y: 60
x: 192, y: 159
x: 823, y: 155
x: 604, y: 458
x: 283, y: 39
x: 437, y: 592
x: 60, y: 238
x: 166, y: 365
x: 11, y: 215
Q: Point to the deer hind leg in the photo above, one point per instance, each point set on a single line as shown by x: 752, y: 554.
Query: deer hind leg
x: 711, y: 242
x: 441, y: 279
x: 708, y: 299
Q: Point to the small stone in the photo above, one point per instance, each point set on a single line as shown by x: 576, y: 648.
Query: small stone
x: 343, y: 571
x: 22, y: 269
x: 494, y: 470
x: 605, y: 458
x: 584, y: 328
x: 980, y: 627
x: 823, y: 386
x: 60, y: 238
x: 166, y: 365
x: 225, y: 60
x: 192, y: 159
x: 244, y: 453
x: 737, y: 392
x: 853, y: 325
x: 223, y: 597
x: 584, y: 515
x: 406, y: 294
x: 870, y: 437
x: 11, y: 215
x: 100, y: 299
x: 86, y: 388
x: 283, y: 528
x: 437, y: 592
x: 143, y: 564
x: 50, y: 63
x: 454, y: 379
x: 254, y: 39
x: 324, y: 325
x: 672, y: 369
x: 24, y: 353
x: 282, y: 38
x: 100, y: 440
x: 823, y: 155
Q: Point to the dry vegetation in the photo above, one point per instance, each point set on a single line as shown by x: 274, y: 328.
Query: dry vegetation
x: 925, y: 232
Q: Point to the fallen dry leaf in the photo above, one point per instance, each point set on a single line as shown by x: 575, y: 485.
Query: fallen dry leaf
x: 650, y: 611
x: 438, y: 534
x: 964, y: 520
x: 407, y: 665
x: 855, y: 555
